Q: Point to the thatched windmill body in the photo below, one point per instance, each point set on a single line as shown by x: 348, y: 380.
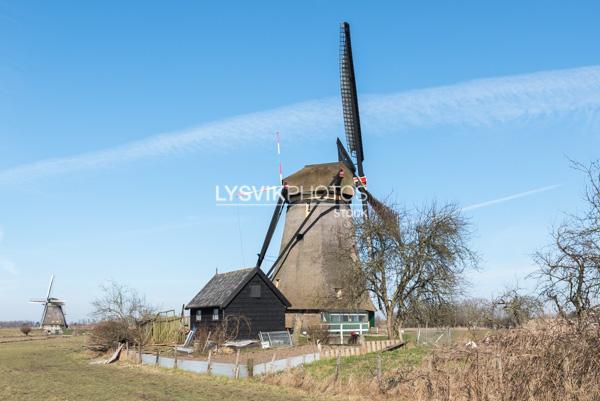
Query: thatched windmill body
x: 53, y: 317
x: 310, y: 270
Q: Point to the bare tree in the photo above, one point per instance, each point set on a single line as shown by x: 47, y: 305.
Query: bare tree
x: 569, y: 269
x: 119, y: 303
x: 406, y: 260
x: 514, y: 308
x: 473, y: 312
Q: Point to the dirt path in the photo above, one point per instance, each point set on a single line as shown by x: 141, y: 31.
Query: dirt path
x: 59, y: 370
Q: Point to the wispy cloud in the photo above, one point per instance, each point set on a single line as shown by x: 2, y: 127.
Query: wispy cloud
x: 478, y: 102
x: 509, y: 198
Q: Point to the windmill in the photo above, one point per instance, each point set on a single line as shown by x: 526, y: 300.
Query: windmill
x: 317, y: 200
x: 53, y: 318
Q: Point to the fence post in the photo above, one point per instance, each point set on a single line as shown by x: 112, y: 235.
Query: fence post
x: 250, y: 367
x: 208, y: 369
x: 272, y: 364
x: 157, y: 356
x: 140, y: 349
x: 175, y: 357
x: 237, y: 364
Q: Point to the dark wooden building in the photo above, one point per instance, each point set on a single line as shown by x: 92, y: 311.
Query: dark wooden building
x: 245, y: 292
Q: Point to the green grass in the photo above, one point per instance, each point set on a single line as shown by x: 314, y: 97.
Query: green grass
x: 366, y: 365
x: 58, y: 369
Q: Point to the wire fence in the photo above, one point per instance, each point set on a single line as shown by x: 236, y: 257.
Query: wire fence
x: 429, y: 336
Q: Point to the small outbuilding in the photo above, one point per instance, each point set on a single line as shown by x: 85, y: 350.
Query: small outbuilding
x: 246, y: 292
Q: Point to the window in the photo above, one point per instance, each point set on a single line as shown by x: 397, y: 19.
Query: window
x: 216, y: 314
x: 255, y: 291
x: 198, y: 315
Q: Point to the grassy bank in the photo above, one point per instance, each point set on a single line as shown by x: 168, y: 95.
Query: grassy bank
x: 362, y: 366
x: 59, y: 370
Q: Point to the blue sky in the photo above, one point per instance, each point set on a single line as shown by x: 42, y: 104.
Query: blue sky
x: 118, y: 120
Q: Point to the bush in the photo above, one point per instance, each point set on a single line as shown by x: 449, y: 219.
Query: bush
x: 542, y: 360
x: 26, y: 329
x: 200, y: 339
x: 317, y: 334
x: 108, y: 334
x: 545, y: 360
x: 231, y: 328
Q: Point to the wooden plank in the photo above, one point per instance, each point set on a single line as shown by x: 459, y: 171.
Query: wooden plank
x: 393, y: 347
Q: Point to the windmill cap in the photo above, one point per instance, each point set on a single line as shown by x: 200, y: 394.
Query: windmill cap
x: 313, y: 176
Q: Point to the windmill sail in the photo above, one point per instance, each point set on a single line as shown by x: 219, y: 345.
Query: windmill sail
x: 349, y: 97
x: 50, y: 287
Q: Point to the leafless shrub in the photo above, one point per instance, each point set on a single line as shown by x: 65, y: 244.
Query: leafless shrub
x: 25, y: 329
x: 549, y: 361
x: 513, y: 308
x: 544, y: 360
x: 127, y: 308
x: 317, y: 334
x: 230, y: 328
x: 108, y: 334
x: 200, y: 339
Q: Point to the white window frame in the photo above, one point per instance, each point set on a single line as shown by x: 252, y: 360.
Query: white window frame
x: 198, y: 315
x: 215, y: 315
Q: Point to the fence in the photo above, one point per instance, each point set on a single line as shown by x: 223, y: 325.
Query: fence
x: 433, y: 335
x: 228, y: 369
x: 238, y: 370
x: 346, y: 329
x: 364, y: 348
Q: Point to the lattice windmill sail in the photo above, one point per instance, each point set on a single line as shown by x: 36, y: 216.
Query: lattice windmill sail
x: 350, y: 97
x: 53, y: 317
x: 352, y: 125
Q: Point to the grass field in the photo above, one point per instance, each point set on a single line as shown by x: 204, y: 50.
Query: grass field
x: 58, y: 369
x: 366, y: 365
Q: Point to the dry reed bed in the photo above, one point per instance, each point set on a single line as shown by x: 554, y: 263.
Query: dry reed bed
x: 549, y: 360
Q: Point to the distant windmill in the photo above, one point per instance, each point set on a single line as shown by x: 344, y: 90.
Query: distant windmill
x: 53, y: 318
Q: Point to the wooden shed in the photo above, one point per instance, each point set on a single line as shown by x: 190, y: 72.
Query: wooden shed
x: 246, y: 292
